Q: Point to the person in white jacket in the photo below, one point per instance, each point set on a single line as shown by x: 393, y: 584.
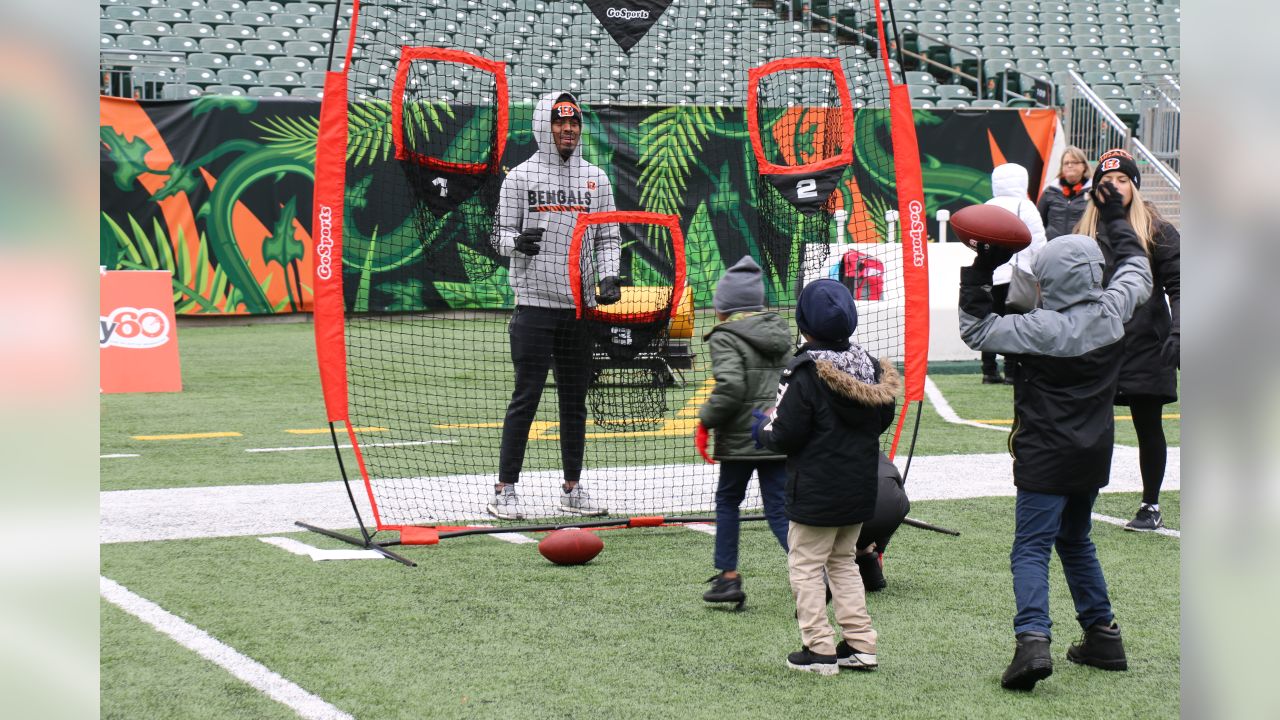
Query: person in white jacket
x: 1009, y: 186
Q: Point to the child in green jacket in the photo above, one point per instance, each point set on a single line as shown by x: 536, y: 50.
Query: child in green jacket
x: 749, y: 349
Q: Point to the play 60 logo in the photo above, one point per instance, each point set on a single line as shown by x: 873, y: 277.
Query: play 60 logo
x: 137, y: 328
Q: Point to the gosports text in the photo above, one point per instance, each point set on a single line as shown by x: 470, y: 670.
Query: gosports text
x: 324, y: 247
x: 915, y: 231
x: 627, y: 14
x: 136, y: 328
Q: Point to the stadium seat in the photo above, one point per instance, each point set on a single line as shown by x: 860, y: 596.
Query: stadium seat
x: 126, y: 13
x: 1116, y: 53
x: 293, y: 64
x: 951, y: 103
x: 306, y: 49
x: 200, y: 75
x: 249, y: 62
x: 193, y: 30
x: 280, y: 78
x: 234, y: 32
x: 1033, y: 65
x: 209, y: 17
x: 136, y: 42
x: 167, y: 15
x: 207, y: 60
x: 1023, y: 53
x: 991, y: 52
x: 1089, y: 65
x: 112, y: 27
x: 180, y: 91
x: 243, y: 78
x: 250, y: 18
x: 1156, y: 67
x: 264, y: 6
x: 1060, y: 64
x: 1108, y: 91
x: 174, y: 43
x: 227, y: 6
x: 222, y: 46
x: 307, y: 92
x: 293, y: 20
x: 266, y: 91
x: 986, y: 104
x: 279, y: 34
x: 922, y: 91
x: 150, y: 27
x: 996, y: 66
x: 1094, y: 77
x: 1129, y: 77
x: 262, y: 47
x: 954, y: 92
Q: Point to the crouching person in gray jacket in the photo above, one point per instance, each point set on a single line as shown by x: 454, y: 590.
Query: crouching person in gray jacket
x: 1063, y: 428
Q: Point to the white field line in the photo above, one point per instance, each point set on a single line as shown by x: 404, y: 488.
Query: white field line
x: 118, y: 455
x: 348, y: 447
x: 1121, y: 523
x: 947, y: 412
x: 248, y: 670
x: 300, y: 548
x: 511, y: 537
x: 702, y: 528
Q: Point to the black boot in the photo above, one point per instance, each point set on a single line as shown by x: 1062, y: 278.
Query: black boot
x: 725, y: 589
x: 871, y: 571
x: 1100, y: 647
x: 1031, y: 662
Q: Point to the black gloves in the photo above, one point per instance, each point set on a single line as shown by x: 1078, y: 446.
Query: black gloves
x: 610, y: 290
x: 989, y: 257
x: 528, y: 241
x: 1109, y: 202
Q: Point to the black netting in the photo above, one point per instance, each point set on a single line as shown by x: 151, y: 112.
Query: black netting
x: 458, y: 309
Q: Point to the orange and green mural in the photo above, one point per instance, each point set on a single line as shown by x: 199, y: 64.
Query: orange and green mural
x: 217, y: 191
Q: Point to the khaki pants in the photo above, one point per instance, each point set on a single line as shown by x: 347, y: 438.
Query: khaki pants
x: 812, y: 549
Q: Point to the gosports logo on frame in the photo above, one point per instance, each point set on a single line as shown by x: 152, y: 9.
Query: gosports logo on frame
x: 134, y: 328
x: 324, y: 248
x: 627, y: 14
x: 915, y: 231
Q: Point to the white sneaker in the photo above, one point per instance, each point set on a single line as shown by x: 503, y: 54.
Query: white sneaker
x: 847, y: 657
x: 505, y: 505
x: 578, y: 502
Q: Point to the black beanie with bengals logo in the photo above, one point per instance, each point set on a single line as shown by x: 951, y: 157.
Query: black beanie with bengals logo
x: 565, y: 108
x: 1117, y: 160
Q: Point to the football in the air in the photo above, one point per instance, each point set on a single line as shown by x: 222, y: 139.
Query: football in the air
x: 570, y: 546
x: 992, y: 225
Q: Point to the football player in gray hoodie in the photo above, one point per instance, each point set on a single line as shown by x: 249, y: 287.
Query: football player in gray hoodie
x: 538, y: 209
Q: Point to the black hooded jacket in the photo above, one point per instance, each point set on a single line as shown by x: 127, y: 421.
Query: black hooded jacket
x: 828, y: 423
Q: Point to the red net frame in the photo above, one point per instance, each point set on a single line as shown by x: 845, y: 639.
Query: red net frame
x: 756, y: 74
x: 670, y: 222
x: 410, y: 55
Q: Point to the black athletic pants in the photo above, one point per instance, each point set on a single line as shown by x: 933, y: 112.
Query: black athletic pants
x: 1153, y: 449
x: 542, y: 339
x: 999, y: 294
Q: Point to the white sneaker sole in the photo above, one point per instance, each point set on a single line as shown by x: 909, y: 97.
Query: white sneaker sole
x: 503, y: 515
x: 820, y: 668
x: 588, y: 512
x: 859, y: 661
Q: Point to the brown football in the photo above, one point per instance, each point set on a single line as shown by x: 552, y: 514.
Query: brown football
x: 992, y: 225
x: 570, y: 546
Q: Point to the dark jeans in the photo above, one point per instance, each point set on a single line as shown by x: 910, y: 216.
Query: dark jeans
x: 542, y: 339
x: 734, y: 476
x: 1063, y: 521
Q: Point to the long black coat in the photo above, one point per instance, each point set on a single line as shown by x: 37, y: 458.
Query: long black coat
x: 1144, y: 372
x: 828, y: 424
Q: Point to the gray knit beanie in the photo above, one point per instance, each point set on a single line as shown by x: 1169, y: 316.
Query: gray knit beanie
x: 740, y: 288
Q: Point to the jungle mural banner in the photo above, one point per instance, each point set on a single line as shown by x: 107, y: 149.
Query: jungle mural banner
x: 217, y: 192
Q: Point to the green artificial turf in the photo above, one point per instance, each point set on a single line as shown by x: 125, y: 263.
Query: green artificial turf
x: 484, y: 628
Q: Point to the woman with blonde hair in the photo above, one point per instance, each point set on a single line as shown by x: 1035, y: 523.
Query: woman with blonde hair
x: 1148, y: 372
x: 1062, y: 201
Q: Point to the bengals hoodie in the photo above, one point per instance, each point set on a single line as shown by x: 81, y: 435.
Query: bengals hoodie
x: 549, y: 192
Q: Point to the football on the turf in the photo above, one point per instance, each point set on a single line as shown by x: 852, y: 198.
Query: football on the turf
x: 992, y: 225
x: 570, y: 546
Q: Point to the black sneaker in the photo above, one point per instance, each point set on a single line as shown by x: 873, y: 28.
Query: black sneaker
x: 810, y: 661
x: 872, y: 572
x: 1147, y: 519
x: 725, y: 590
x: 1101, y: 647
x: 1031, y: 662
x: 850, y: 658
x: 992, y: 380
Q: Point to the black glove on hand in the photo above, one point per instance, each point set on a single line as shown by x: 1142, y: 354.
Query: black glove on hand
x: 989, y: 257
x: 528, y: 241
x: 1110, y: 204
x: 610, y: 290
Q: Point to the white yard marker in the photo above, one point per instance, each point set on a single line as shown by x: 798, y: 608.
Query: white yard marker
x: 300, y: 548
x: 119, y: 455
x: 513, y: 538
x: 947, y: 412
x: 702, y: 528
x: 246, y: 669
x: 348, y: 447
x: 1121, y: 523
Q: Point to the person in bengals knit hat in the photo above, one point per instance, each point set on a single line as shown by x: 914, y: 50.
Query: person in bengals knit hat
x: 1152, y: 338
